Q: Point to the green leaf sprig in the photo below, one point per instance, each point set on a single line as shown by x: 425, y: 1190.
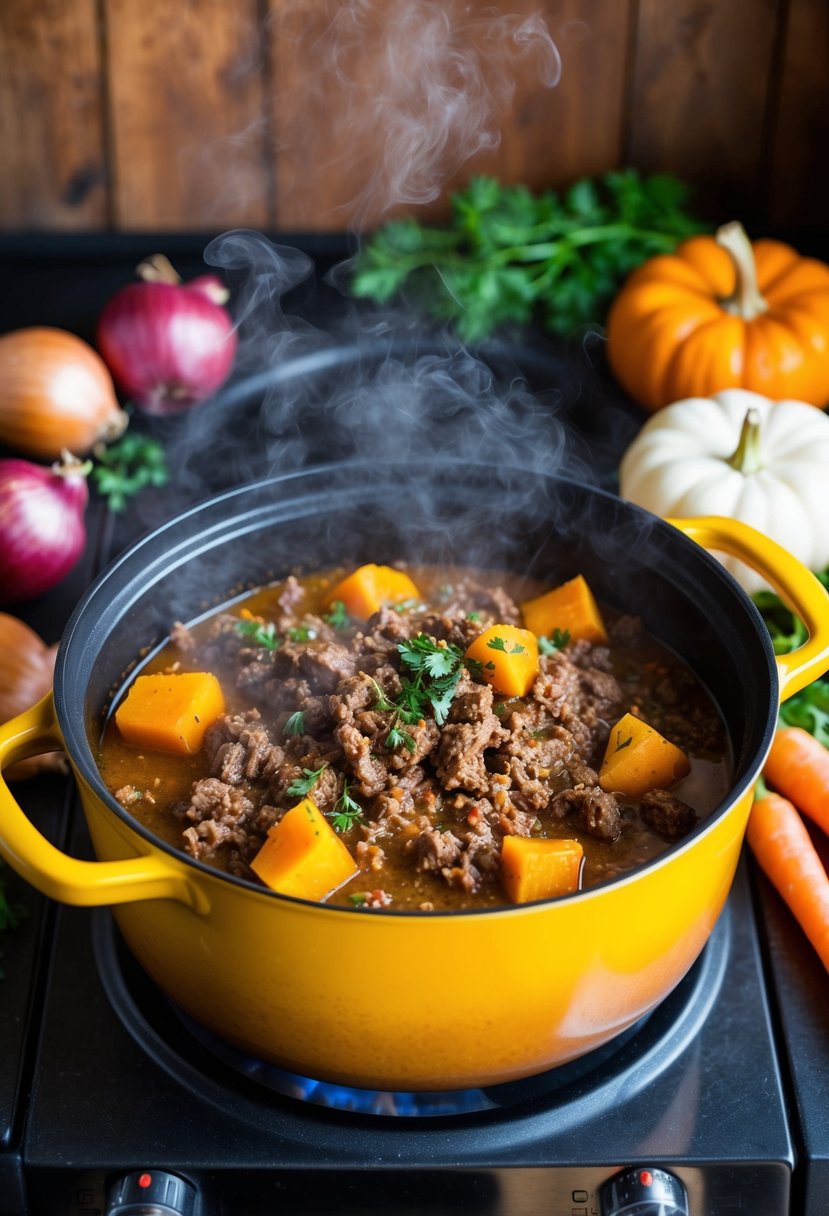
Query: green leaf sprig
x: 301, y: 787
x: 261, y: 633
x: 509, y: 256
x: 125, y: 467
x: 808, y: 708
x: 346, y: 812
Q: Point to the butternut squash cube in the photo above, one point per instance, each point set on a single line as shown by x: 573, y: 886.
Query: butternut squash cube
x: 532, y: 868
x: 303, y: 855
x: 638, y: 759
x: 372, y: 587
x: 508, y: 658
x: 570, y: 607
x: 170, y: 712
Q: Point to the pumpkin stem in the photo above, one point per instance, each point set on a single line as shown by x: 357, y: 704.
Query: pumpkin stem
x: 745, y: 301
x: 158, y: 269
x: 746, y: 459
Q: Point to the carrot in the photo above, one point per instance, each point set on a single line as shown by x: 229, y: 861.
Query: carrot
x: 369, y: 588
x: 798, y: 768
x: 533, y: 868
x: 303, y: 855
x: 170, y: 712
x: 781, y: 843
x: 508, y: 658
x: 569, y: 608
x: 637, y: 759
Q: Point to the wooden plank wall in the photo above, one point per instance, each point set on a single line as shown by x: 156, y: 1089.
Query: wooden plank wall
x: 320, y: 115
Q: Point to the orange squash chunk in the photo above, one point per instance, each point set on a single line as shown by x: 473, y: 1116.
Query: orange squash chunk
x: 170, y: 713
x: 570, y: 607
x: 370, y: 588
x: 638, y: 759
x: 539, y: 869
x: 303, y: 855
x: 508, y: 657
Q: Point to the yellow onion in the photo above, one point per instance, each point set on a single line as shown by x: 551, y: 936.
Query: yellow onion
x: 55, y: 393
x: 26, y: 667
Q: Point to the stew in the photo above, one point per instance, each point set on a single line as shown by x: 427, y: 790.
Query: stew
x: 417, y: 739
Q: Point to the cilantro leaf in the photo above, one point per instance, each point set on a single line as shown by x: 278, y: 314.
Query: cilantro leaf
x: 346, y: 812
x: 125, y: 467
x: 295, y: 725
x: 261, y: 633
x: 337, y: 618
x: 301, y: 787
x: 557, y: 640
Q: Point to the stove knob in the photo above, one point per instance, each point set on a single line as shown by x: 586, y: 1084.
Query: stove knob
x: 151, y: 1193
x: 643, y: 1192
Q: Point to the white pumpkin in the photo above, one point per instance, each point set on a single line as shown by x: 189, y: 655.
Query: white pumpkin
x: 740, y: 455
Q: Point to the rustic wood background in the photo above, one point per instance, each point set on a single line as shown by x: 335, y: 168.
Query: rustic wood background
x: 140, y: 115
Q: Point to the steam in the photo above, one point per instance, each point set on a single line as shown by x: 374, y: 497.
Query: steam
x: 439, y: 82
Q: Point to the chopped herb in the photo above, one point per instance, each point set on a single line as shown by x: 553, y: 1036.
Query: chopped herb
x: 382, y: 703
x: 473, y: 616
x: 125, y: 467
x: 301, y: 633
x: 301, y: 787
x: 474, y: 666
x: 260, y: 633
x: 422, y: 654
x: 359, y: 898
x: 499, y: 708
x: 337, y: 618
x: 557, y: 640
x: 346, y: 811
x: 398, y: 737
x: 500, y: 644
x: 437, y: 668
x: 295, y: 725
x: 620, y: 745
x: 405, y: 605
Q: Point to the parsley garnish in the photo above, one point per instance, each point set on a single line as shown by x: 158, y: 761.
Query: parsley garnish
x: 301, y: 633
x: 382, y: 703
x: 398, y: 737
x: 301, y: 787
x: 295, y: 725
x: 261, y: 633
x: 473, y: 616
x: 346, y: 811
x: 437, y: 668
x: 500, y: 644
x: 510, y: 256
x: 359, y: 898
x: 125, y: 467
x: 557, y: 640
x: 337, y: 618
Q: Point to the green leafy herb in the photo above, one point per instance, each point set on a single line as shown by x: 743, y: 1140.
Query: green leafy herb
x: 346, y: 811
x: 473, y: 616
x: 620, y: 743
x: 382, y: 703
x: 125, y: 467
x: 359, y: 898
x: 301, y: 787
x: 511, y: 256
x: 397, y: 737
x: 337, y: 618
x: 301, y: 633
x: 261, y: 633
x: 405, y: 605
x: 808, y: 708
x: 295, y: 725
x: 557, y: 640
x: 499, y: 644
x: 437, y: 669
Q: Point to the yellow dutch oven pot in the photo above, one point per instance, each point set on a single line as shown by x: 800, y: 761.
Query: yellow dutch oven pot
x: 415, y: 1000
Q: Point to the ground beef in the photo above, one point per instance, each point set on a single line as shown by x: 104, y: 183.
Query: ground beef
x: 597, y: 811
x: 666, y: 814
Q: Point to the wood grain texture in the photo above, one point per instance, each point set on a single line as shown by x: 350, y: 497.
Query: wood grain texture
x: 52, y: 170
x: 700, y: 94
x: 187, y: 121
x: 386, y: 105
x: 798, y: 181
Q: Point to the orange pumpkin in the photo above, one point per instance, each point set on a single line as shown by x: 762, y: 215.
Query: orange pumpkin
x: 722, y: 313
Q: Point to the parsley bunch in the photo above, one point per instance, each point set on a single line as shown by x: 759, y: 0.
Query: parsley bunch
x: 511, y: 256
x: 125, y: 467
x: 808, y: 708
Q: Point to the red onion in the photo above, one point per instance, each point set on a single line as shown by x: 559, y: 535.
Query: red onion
x: 168, y: 344
x: 42, y: 530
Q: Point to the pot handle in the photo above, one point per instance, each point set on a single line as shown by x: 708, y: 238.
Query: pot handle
x: 53, y: 873
x: 801, y: 591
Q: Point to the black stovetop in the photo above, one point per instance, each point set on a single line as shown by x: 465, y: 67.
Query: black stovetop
x: 723, y: 1085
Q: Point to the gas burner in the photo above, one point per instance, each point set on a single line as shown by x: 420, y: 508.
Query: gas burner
x: 192, y: 1053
